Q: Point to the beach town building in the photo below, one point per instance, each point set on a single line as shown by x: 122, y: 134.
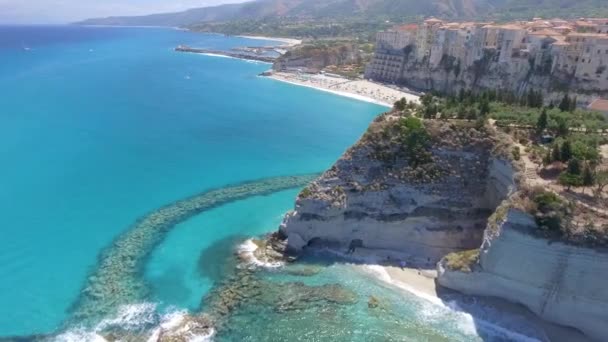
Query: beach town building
x: 576, y: 48
x: 599, y: 105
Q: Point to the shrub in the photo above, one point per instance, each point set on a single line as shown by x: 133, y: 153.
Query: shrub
x: 306, y: 193
x: 551, y: 211
x: 516, y: 153
x: 462, y: 261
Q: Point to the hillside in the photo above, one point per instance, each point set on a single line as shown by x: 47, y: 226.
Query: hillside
x: 254, y: 16
x: 317, y: 9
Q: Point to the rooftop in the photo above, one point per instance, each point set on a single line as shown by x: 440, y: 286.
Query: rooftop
x: 599, y: 105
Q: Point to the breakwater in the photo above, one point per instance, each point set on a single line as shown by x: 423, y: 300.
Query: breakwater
x: 233, y: 54
x: 118, y: 280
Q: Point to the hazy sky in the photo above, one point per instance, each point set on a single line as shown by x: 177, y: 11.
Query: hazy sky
x: 63, y: 11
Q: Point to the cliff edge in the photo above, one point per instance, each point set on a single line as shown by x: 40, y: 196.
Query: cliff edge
x: 450, y: 193
x: 561, y: 282
x: 408, y: 189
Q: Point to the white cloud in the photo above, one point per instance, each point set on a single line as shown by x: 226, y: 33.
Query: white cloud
x: 63, y: 11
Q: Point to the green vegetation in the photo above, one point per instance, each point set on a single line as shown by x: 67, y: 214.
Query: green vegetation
x: 305, y: 193
x: 415, y: 141
x: 516, y: 153
x: 343, y: 57
x: 462, y: 261
x: 550, y: 212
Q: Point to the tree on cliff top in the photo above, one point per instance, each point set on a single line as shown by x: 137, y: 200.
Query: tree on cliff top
x: 542, y: 122
x: 415, y: 141
x: 564, y: 105
x: 601, y: 181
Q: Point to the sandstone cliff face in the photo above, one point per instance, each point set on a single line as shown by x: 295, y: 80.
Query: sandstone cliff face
x: 373, y: 198
x: 518, y: 75
x: 562, y: 283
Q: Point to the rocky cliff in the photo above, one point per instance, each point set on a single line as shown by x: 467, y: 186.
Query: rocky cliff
x: 517, y: 76
x: 462, y: 191
x: 560, y: 282
x: 315, y: 57
x: 377, y: 197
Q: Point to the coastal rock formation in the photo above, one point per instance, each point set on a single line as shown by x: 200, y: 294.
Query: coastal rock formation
x: 517, y: 77
x: 375, y: 197
x: 316, y: 57
x: 560, y: 282
x: 117, y: 279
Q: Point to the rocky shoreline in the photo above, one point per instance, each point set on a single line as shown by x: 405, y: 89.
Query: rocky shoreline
x: 372, y: 202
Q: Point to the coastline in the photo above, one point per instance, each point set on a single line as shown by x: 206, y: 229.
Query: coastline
x: 421, y: 283
x: 362, y: 90
x: 288, y: 42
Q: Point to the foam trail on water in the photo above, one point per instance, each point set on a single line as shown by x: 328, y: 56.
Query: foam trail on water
x: 117, y: 280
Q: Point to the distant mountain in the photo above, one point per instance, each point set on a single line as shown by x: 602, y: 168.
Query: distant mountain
x: 370, y: 10
x: 304, y: 9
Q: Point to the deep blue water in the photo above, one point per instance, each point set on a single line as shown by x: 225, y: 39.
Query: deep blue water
x: 99, y: 126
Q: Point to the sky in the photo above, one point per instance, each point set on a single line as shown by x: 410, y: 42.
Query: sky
x: 66, y: 11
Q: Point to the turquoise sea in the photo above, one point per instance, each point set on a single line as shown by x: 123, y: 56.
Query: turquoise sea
x: 102, y: 127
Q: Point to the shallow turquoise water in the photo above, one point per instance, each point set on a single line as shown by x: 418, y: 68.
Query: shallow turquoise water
x: 101, y: 125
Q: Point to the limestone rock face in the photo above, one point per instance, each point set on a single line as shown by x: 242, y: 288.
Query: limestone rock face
x: 517, y: 76
x: 372, y: 198
x: 562, y: 283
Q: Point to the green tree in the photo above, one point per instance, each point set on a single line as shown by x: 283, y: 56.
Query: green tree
x: 547, y: 159
x: 542, y: 122
x: 430, y: 111
x: 427, y: 99
x: 566, y: 151
x: 601, y: 181
x: 574, y: 167
x: 556, y: 154
x: 569, y: 180
x: 564, y: 105
x: 573, y: 103
x: 400, y: 104
x: 562, y: 127
x: 415, y: 141
x: 484, y: 107
x: 588, y: 178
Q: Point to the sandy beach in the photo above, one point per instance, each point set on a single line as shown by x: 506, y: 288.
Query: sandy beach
x: 362, y: 90
x: 421, y: 282
x: 287, y: 42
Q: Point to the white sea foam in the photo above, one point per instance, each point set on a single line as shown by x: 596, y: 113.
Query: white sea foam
x: 247, y: 251
x: 79, y: 335
x: 131, y: 317
x: 138, y: 317
x: 467, y: 323
x: 230, y: 57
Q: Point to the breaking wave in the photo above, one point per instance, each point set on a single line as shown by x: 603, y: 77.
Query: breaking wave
x: 117, y: 278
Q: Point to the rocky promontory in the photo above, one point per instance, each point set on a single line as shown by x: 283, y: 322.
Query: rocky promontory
x: 408, y: 189
x: 453, y: 193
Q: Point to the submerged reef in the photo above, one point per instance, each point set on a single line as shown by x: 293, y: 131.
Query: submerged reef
x: 118, y: 280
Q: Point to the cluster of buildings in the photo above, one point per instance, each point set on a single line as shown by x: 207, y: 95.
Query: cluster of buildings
x: 577, y: 48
